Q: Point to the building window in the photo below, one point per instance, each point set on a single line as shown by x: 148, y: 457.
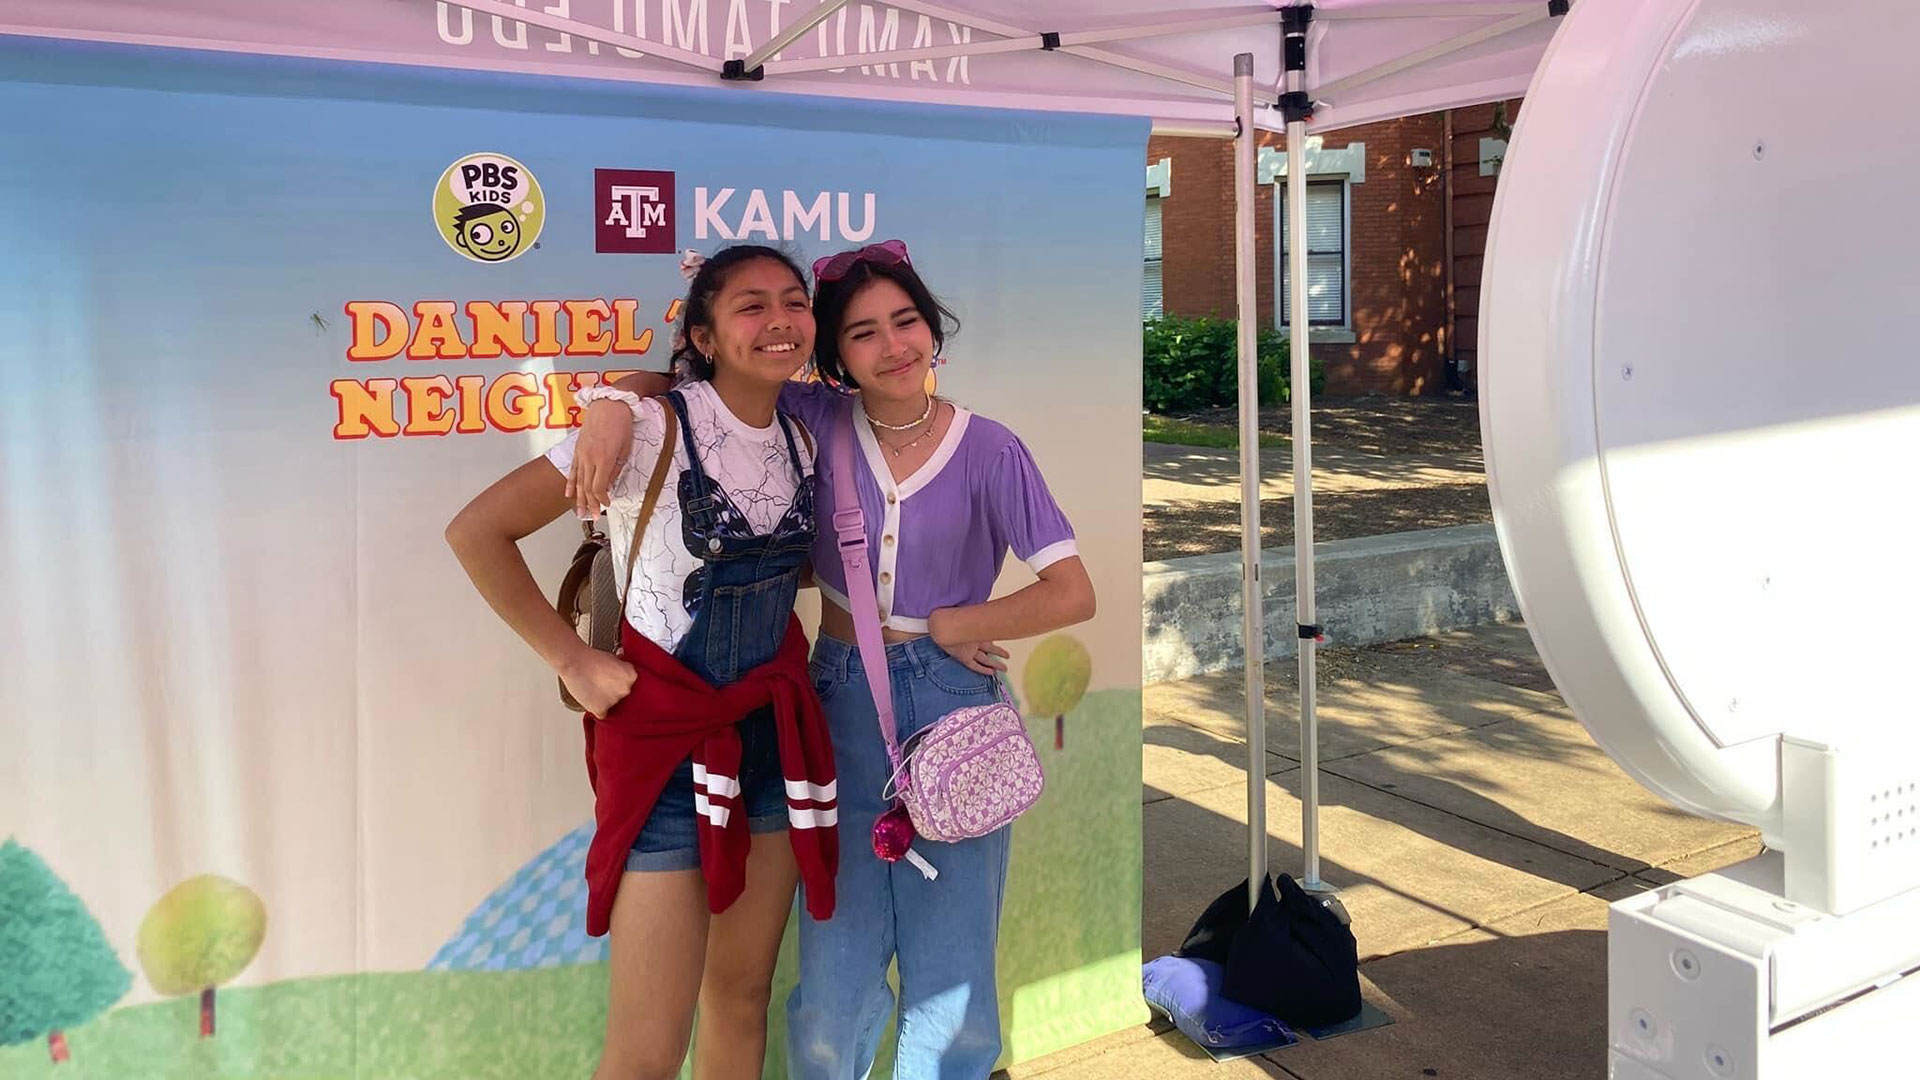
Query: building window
x: 1152, y: 300
x: 1326, y: 253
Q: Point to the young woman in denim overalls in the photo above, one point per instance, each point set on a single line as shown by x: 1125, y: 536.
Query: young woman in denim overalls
x: 946, y: 494
x: 718, y: 564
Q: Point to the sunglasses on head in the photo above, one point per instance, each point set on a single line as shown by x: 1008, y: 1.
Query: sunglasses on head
x: 835, y: 267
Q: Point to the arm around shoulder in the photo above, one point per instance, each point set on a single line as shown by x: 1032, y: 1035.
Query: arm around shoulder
x: 610, y: 420
x: 644, y: 384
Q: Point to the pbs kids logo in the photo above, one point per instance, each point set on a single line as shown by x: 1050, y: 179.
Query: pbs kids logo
x: 489, y: 208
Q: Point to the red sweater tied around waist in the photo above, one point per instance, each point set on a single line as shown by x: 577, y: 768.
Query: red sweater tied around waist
x: 672, y: 714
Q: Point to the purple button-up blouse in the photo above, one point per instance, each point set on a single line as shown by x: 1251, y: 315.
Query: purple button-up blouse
x: 938, y: 538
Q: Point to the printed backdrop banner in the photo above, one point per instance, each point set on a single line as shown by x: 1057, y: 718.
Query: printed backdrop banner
x: 278, y: 794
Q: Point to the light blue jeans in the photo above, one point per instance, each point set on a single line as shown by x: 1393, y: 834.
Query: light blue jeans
x: 944, y: 932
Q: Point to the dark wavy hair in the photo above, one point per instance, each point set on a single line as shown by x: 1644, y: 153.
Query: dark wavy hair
x: 706, y: 287
x: 830, y: 302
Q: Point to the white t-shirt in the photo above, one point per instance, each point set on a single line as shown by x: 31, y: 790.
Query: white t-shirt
x: 750, y: 464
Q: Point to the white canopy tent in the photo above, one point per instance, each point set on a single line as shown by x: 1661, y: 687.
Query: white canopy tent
x: 1195, y: 68
x: 1171, y: 60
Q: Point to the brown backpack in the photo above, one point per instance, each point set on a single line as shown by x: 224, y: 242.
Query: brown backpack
x: 589, y: 598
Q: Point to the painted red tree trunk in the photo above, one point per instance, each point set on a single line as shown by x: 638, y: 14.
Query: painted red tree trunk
x: 1060, y: 732
x: 206, y: 1013
x: 57, y: 1046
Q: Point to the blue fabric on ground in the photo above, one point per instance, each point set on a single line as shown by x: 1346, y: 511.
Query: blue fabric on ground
x: 1187, y: 990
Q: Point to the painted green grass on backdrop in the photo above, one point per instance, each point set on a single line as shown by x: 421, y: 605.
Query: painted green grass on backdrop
x: 483, y: 1025
x: 1069, y: 967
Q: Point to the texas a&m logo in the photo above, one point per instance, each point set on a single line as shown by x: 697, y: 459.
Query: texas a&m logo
x: 633, y: 212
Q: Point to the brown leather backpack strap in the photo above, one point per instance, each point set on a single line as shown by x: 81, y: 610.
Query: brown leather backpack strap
x: 806, y: 437
x: 654, y: 483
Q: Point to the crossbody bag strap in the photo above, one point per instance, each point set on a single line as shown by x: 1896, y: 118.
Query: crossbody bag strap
x: 654, y: 483
x: 850, y: 526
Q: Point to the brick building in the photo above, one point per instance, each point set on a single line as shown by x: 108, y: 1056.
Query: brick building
x: 1383, y: 203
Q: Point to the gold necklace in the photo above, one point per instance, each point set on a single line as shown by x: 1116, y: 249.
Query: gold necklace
x: 896, y: 451
x: 909, y: 444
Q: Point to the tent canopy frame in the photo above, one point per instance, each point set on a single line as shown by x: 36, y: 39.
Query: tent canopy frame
x: 759, y: 66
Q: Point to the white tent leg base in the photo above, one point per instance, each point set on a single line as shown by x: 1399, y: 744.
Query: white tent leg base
x: 1319, y: 889
x: 1329, y: 898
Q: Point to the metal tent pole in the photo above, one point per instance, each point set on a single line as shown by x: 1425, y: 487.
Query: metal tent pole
x: 1296, y: 105
x: 1253, y: 630
x: 1195, y: 129
x: 1533, y: 15
x: 794, y: 31
x: 1130, y: 62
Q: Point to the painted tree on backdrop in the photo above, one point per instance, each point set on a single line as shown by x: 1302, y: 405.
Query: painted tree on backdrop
x: 56, y: 969
x: 201, y: 934
x: 1056, y: 679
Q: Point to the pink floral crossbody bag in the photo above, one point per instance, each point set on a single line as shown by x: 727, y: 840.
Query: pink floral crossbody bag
x: 973, y: 770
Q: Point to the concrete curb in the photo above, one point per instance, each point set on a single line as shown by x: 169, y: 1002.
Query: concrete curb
x: 1373, y: 589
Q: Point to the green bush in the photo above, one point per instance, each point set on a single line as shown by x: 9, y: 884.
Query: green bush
x: 1193, y: 364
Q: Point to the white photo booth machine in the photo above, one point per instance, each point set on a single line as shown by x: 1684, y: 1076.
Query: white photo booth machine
x: 1701, y: 413
x: 1700, y: 419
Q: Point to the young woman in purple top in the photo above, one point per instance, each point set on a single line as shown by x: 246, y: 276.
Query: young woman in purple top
x: 946, y: 494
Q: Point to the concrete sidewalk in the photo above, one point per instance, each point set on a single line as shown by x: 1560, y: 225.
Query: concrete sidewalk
x: 1191, y: 496
x: 1172, y: 473
x: 1474, y: 830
